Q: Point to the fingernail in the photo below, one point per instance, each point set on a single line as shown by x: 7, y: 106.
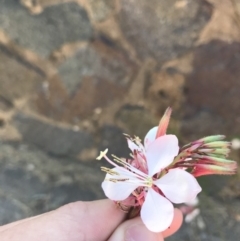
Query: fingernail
x: 140, y: 233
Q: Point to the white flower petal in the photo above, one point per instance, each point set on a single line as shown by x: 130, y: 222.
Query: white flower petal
x: 161, y: 152
x: 157, y: 212
x: 179, y: 186
x: 119, y: 190
x: 150, y: 137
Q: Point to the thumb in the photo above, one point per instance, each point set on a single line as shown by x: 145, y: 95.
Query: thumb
x: 135, y: 230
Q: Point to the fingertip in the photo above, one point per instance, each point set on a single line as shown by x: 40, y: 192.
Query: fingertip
x: 134, y: 229
x: 176, y: 223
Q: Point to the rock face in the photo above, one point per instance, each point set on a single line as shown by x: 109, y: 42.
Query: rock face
x: 33, y: 182
x: 218, y: 77
x: 163, y: 29
x: 47, y: 31
x: 54, y: 140
x: 75, y: 75
x: 17, y: 79
x: 98, y: 61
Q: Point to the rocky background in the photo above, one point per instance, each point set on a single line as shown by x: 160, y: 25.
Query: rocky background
x: 75, y: 75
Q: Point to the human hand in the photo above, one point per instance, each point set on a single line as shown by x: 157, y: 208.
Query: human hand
x: 84, y: 221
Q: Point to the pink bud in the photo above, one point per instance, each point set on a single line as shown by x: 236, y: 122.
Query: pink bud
x: 204, y: 169
x: 163, y: 124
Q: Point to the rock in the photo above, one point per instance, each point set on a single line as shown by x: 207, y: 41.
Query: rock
x: 53, y: 139
x: 100, y: 10
x: 99, y: 61
x: 50, y: 99
x: 136, y: 120
x: 163, y: 29
x: 17, y: 79
x: 212, y: 90
x: 165, y: 88
x: 5, y: 103
x: 33, y: 182
x: 94, y: 76
x: 43, y: 33
x: 93, y: 94
x: 11, y: 210
x: 201, y: 123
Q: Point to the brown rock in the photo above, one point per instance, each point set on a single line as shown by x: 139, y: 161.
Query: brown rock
x: 51, y: 98
x: 94, y: 93
x: 17, y: 79
x: 213, y: 90
x: 165, y: 89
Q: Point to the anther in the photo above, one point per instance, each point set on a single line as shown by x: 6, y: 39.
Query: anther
x: 102, y: 154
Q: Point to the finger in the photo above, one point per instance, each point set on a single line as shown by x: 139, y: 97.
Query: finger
x: 96, y: 219
x: 176, y: 223
x: 135, y: 230
x: 10, y: 225
x: 76, y: 221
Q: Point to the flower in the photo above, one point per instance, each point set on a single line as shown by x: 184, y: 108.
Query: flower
x: 159, y: 174
x: 174, y: 185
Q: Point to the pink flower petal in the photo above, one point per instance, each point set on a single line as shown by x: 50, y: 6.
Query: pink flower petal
x: 119, y: 190
x: 150, y: 137
x: 161, y: 153
x: 132, y: 146
x: 163, y: 124
x: 157, y: 212
x: 179, y: 186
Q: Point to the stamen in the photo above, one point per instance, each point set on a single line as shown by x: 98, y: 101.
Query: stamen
x: 102, y: 154
x: 117, y: 180
x: 109, y: 171
x: 111, y: 180
x: 130, y: 173
x: 137, y: 140
x: 119, y: 160
x: 149, y: 182
x: 132, y: 168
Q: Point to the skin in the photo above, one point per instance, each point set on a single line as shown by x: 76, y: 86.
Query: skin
x: 81, y: 221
